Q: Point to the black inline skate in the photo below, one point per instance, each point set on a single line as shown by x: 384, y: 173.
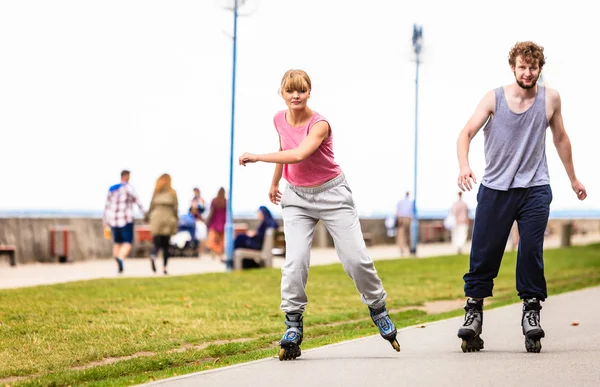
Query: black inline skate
x: 292, y: 338
x: 387, y: 329
x: 530, y: 322
x: 472, y: 327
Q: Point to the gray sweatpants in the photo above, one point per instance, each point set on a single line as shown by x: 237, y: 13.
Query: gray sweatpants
x: 332, y: 204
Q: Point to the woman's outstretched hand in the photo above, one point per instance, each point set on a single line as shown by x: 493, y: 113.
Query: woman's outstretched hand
x: 247, y: 158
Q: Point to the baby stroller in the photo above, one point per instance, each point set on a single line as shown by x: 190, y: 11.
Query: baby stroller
x: 185, y: 243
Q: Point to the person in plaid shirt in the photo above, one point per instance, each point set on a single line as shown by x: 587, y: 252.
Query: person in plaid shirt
x: 118, y: 215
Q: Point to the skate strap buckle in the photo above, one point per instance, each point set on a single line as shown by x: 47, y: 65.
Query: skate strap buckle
x: 532, y: 318
x: 294, y: 330
x: 471, y: 315
x: 380, y: 315
x: 293, y: 323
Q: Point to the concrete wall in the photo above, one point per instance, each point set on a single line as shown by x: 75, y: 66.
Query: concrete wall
x: 31, y: 236
x: 429, y: 231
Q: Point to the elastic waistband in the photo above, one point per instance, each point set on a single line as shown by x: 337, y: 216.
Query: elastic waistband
x: 341, y: 179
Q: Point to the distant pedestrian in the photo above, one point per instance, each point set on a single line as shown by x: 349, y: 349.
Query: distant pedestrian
x: 118, y: 215
x: 513, y: 237
x: 216, y: 225
x: 197, y: 208
x: 163, y: 216
x: 253, y: 239
x: 404, y: 216
x: 198, y: 204
x: 460, y: 231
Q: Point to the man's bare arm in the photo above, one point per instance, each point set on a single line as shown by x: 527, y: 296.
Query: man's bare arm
x: 563, y: 143
x: 478, y: 119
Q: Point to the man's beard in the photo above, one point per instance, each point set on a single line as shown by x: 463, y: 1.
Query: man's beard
x: 524, y: 86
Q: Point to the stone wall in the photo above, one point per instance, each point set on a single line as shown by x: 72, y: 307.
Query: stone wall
x: 31, y: 236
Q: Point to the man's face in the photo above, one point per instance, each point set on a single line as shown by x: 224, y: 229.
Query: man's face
x: 526, y: 72
x: 196, y: 192
x: 125, y: 178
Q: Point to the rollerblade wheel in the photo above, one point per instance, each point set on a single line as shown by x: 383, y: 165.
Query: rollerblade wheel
x: 289, y: 353
x: 396, y: 345
x: 472, y: 345
x: 534, y: 346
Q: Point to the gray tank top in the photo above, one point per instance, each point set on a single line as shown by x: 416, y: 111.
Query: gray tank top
x: 515, y: 145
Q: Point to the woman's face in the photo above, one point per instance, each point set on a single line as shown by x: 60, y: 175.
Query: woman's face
x: 295, y: 99
x: 260, y: 215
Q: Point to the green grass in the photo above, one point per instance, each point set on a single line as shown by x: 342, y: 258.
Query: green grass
x: 155, y: 328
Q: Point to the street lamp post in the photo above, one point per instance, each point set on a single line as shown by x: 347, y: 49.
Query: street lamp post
x: 417, y: 41
x: 229, y: 220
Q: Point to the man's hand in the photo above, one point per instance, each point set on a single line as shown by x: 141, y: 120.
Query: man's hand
x: 579, y: 189
x: 466, y: 178
x: 247, y: 158
x: 274, y: 194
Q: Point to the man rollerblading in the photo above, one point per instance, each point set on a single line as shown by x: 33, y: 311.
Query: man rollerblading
x: 514, y: 119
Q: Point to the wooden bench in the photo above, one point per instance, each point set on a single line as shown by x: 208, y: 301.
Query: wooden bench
x: 143, y: 241
x: 263, y: 257
x: 10, y: 251
x: 279, y: 244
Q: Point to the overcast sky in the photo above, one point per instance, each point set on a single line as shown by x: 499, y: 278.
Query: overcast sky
x: 88, y: 88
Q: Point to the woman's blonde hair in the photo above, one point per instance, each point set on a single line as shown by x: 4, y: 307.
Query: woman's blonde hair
x: 163, y: 184
x: 295, y: 80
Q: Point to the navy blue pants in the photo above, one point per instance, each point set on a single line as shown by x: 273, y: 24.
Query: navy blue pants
x: 496, y: 211
x: 243, y: 241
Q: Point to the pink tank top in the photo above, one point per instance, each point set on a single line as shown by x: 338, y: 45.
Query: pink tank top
x: 320, y: 166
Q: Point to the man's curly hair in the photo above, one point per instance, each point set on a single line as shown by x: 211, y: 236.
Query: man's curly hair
x: 529, y: 52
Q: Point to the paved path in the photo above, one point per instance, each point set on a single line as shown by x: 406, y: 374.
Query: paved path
x: 431, y: 356
x: 49, y: 273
